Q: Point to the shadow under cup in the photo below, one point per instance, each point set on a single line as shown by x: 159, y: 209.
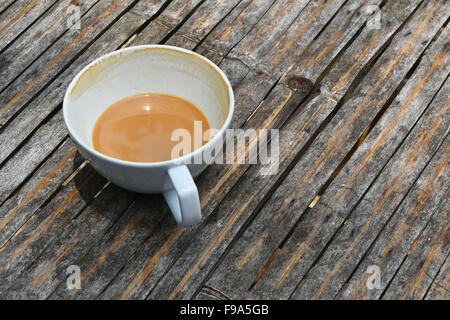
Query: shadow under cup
x: 145, y: 69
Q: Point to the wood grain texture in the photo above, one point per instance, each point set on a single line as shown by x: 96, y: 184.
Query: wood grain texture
x: 168, y: 21
x: 320, y: 223
x: 205, y: 296
x: 296, y: 39
x: 117, y: 246
x: 329, y: 274
x: 35, y: 192
x: 281, y: 41
x: 271, y: 225
x: 353, y: 102
x: 440, y: 288
x: 201, y: 23
x: 37, y: 39
x: 361, y: 53
x: 19, y: 16
x: 80, y: 235
x: 32, y: 153
x: 263, y: 35
x: 5, y: 4
x: 33, y: 238
x: 268, y: 30
x: 398, y: 237
x: 422, y: 265
x: 208, y: 294
x: 229, y: 32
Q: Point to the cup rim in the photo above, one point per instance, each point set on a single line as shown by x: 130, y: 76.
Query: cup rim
x: 180, y: 160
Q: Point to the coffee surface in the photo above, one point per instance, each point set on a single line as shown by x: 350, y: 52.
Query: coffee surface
x: 139, y: 128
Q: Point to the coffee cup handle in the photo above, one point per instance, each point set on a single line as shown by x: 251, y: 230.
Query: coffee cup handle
x: 182, y: 198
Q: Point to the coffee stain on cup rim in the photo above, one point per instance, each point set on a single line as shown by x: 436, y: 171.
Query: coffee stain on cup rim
x: 82, y: 83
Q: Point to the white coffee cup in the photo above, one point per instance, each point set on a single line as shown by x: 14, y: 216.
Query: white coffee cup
x: 144, y: 69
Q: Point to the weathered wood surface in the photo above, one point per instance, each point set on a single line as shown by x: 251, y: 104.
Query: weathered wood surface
x: 440, y: 284
x: 418, y: 272
x: 19, y: 16
x: 4, y: 5
x: 363, y: 113
x: 285, y: 206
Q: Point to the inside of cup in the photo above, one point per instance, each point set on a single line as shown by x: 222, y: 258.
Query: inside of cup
x: 145, y: 70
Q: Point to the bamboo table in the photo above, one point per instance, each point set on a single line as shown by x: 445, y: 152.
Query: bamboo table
x: 358, y: 209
